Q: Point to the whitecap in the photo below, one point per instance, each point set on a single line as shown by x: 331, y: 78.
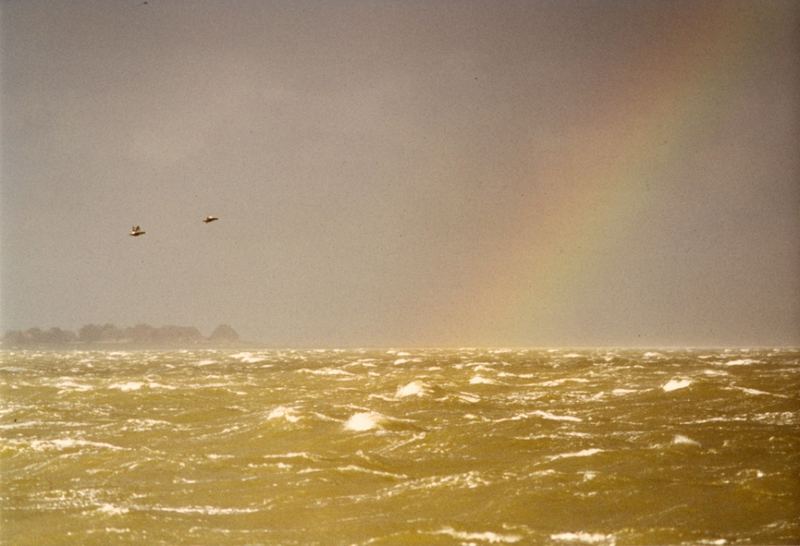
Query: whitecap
x: 363, y: 421
x: 117, y: 530
x: 756, y: 392
x: 487, y: 536
x: 147, y: 424
x: 652, y: 354
x: 553, y: 417
x: 582, y: 453
x: 210, y: 510
x: 291, y: 455
x: 401, y: 361
x: 154, y: 385
x: 675, y: 384
x: 283, y: 412
x: 559, y: 382
x: 205, y: 362
x: 327, y: 372
x: 465, y: 480
x: 742, y: 362
x: 622, y: 392
x: 776, y: 418
x: 67, y: 384
x: 414, y: 388
x: 126, y: 387
x: 112, y: 510
x: 67, y: 443
x: 520, y: 375
x: 572, y: 355
x: 217, y: 456
x: 586, y: 538
x: 248, y: 358
x: 680, y: 439
x: 480, y: 380
x: 361, y: 469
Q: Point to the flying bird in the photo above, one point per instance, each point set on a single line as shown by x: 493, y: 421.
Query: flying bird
x: 209, y: 219
x: 136, y: 231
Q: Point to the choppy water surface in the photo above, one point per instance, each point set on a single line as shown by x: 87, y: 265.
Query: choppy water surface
x: 401, y: 447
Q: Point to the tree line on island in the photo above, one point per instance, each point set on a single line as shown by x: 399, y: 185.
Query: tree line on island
x: 109, y: 334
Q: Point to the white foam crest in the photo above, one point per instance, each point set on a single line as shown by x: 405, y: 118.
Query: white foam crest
x: 622, y: 392
x: 756, y: 392
x: 742, y: 362
x: 361, y: 469
x: 400, y: 361
x: 284, y: 412
x: 205, y: 362
x: 112, y: 509
x: 776, y: 418
x: 586, y: 538
x: 218, y: 456
x: 582, y: 453
x: 127, y: 387
x: 209, y: 510
x: 67, y: 384
x: 680, y: 439
x: 714, y: 420
x: 716, y: 373
x: 383, y: 397
x: 154, y: 385
x: 675, y: 384
x: 559, y: 382
x: 327, y: 372
x: 414, y: 388
x: 147, y: 424
x: 363, y: 421
x: 466, y: 480
x: 291, y: 455
x: 68, y: 443
x: 115, y: 530
x: 468, y: 397
x: 480, y: 380
x: 520, y: 375
x: 553, y: 417
x: 486, y: 536
x: 572, y: 355
x: 248, y: 357
x: 364, y: 362
x: 652, y: 354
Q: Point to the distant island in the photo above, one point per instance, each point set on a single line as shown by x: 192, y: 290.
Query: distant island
x: 109, y: 335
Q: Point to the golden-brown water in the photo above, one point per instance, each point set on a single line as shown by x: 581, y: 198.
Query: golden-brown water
x: 459, y: 446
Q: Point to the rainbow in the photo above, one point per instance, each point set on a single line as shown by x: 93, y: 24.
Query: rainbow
x: 600, y: 200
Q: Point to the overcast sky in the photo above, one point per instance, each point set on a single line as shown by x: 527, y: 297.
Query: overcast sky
x: 405, y: 173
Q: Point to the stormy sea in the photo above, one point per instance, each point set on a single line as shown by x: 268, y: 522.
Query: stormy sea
x: 451, y: 446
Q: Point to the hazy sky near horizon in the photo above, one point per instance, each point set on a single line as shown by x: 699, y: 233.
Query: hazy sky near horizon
x: 405, y: 173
